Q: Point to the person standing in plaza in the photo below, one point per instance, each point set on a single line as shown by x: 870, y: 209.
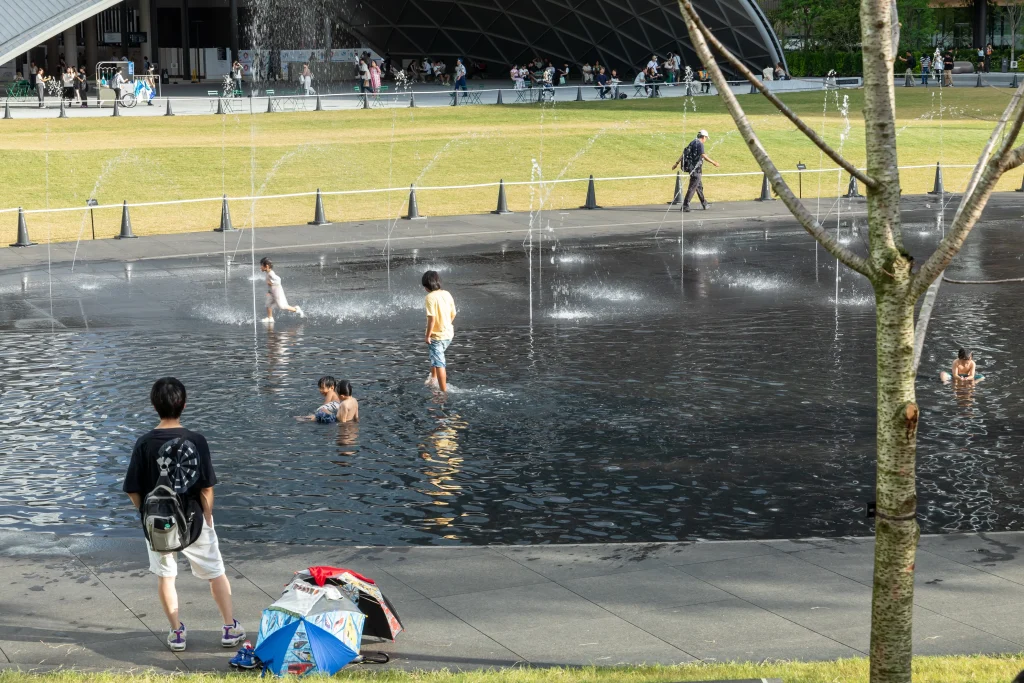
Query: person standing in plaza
x: 83, y: 85
x: 33, y: 72
x: 118, y: 84
x: 692, y: 161
x: 171, y: 458
x: 938, y: 66
x: 440, y: 307
x: 926, y: 63
x: 947, y: 63
x: 236, y: 76
x: 909, y: 62
x: 460, y: 76
x: 41, y: 86
x: 374, y: 76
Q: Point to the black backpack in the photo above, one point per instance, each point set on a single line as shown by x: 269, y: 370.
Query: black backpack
x: 690, y: 157
x: 168, y: 520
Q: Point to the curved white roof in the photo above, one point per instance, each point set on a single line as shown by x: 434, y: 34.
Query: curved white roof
x: 27, y: 23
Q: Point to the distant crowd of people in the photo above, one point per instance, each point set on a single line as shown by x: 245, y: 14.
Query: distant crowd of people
x: 939, y: 64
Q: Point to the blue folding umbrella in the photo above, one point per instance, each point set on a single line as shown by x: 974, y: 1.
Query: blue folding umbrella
x: 310, y: 630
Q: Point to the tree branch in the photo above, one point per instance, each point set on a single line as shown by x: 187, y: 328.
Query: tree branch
x: 990, y: 167
x: 796, y: 207
x: 786, y: 111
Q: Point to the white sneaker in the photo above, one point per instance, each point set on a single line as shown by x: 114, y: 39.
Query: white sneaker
x: 233, y: 634
x: 298, y: 309
x: 176, y: 638
x: 267, y: 320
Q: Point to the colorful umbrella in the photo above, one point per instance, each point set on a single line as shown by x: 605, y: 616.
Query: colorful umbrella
x: 381, y: 617
x: 309, y: 630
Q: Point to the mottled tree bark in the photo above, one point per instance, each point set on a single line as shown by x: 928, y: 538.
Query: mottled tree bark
x: 890, y: 269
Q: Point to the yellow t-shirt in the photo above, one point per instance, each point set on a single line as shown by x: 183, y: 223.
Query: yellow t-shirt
x: 441, y: 307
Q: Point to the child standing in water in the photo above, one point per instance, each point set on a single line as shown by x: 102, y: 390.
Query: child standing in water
x: 440, y: 315
x: 275, y: 292
x: 348, y: 406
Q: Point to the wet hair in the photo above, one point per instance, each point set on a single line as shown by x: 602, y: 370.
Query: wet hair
x: 266, y: 262
x: 343, y: 387
x: 327, y: 382
x: 963, y: 354
x: 168, y: 397
x: 431, y: 280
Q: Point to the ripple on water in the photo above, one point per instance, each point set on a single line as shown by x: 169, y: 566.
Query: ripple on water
x: 571, y: 314
x: 223, y: 314
x: 758, y: 283
x: 360, y: 307
x: 610, y: 293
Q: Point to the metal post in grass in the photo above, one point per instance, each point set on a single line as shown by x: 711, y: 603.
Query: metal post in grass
x: 591, y: 196
x: 23, y: 240
x: 7, y: 109
x: 412, y: 99
x: 270, y: 105
x: 414, y: 209
x: 502, y: 203
x: 169, y: 112
x: 126, y: 224
x: 579, y: 93
x: 499, y: 97
x: 63, y: 113
x: 319, y: 217
x: 225, y: 217
x: 117, y: 107
x: 319, y: 106
x: 92, y: 203
x: 220, y: 105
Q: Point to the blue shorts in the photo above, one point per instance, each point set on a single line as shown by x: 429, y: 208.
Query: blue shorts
x: 437, y: 349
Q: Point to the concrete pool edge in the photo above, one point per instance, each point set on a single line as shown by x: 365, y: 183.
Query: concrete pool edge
x: 88, y: 602
x: 361, y: 239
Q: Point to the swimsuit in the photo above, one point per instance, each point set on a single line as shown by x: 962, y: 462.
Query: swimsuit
x: 327, y: 413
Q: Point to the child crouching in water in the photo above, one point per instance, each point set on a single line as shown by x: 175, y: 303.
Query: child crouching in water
x: 338, y: 406
x: 275, y: 292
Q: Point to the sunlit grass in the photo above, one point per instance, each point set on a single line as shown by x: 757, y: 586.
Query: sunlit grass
x: 60, y: 163
x: 973, y: 669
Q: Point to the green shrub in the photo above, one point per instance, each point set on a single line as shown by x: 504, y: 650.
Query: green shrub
x: 817, y: 63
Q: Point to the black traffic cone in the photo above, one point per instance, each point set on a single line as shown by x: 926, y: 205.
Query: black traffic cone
x: 7, y: 109
x: 1014, y: 84
x: 319, y: 106
x: 502, y: 203
x: 579, y: 93
x: 117, y: 108
x: 978, y: 84
x: 499, y: 97
x: 169, y: 112
x: 412, y: 99
x: 591, y: 196
x: 270, y: 105
x: 63, y: 114
x: 220, y: 105
x: 126, y: 224
x: 414, y: 209
x: 225, y: 217
x: 455, y: 94
x: 23, y: 240
x: 753, y: 89
x: 851, y: 191
x: 366, y: 100
x: 937, y: 189
x: 1021, y: 188
x: 677, y: 194
x: 766, y: 193
x: 319, y: 218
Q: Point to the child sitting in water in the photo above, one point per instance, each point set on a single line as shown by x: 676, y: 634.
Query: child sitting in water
x: 328, y: 412
x: 275, y: 292
x: 348, y: 407
x: 964, y: 369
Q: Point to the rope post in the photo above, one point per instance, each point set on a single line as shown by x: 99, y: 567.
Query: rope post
x: 414, y: 209
x: 270, y: 105
x: 1021, y: 188
x: 366, y: 100
x: 591, y: 196
x: 579, y: 93
x: 225, y: 218
x: 677, y: 194
x: 319, y: 218
x: 937, y: 189
x: 1013, y: 83
x: 851, y: 191
x: 23, y: 240
x: 169, y: 112
x: 7, y: 109
x: 117, y: 108
x: 63, y: 114
x: 455, y: 94
x: 753, y: 90
x: 319, y: 106
x: 502, y: 203
x: 766, y: 193
x: 220, y: 105
x: 126, y: 224
x: 978, y: 84
x: 499, y: 97
x: 412, y: 99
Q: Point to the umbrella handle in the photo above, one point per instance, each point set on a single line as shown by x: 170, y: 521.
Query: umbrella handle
x: 372, y: 658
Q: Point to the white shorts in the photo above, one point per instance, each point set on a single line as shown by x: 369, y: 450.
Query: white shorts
x: 203, y: 556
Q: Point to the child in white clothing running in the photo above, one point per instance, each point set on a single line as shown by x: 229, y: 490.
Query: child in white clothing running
x: 275, y: 292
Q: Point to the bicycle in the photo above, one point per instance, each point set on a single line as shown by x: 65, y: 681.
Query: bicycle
x: 128, y: 100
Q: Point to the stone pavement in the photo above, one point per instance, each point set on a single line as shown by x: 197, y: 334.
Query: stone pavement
x: 89, y: 602
x: 473, y: 232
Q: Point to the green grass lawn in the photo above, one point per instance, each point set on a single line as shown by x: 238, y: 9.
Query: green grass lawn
x: 926, y: 670
x: 59, y: 163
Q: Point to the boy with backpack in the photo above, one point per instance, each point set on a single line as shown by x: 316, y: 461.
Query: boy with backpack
x: 170, y: 481
x: 692, y: 161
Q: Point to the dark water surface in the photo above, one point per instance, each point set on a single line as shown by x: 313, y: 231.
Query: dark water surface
x: 738, y: 406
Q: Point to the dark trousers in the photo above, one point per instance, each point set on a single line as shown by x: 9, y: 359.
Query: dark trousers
x: 696, y: 185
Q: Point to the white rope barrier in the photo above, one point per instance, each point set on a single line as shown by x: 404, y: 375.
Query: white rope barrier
x: 439, y: 188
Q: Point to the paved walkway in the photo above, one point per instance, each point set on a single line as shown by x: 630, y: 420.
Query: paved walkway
x: 367, y: 238
x: 90, y: 602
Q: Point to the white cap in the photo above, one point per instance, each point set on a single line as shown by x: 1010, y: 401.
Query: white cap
x: 703, y: 134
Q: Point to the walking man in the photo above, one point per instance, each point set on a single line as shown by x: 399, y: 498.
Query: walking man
x: 692, y: 160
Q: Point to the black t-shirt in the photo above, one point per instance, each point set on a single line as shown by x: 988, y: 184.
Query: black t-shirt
x: 602, y: 79
x: 189, y: 464
x: 948, y: 62
x: 696, y: 155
